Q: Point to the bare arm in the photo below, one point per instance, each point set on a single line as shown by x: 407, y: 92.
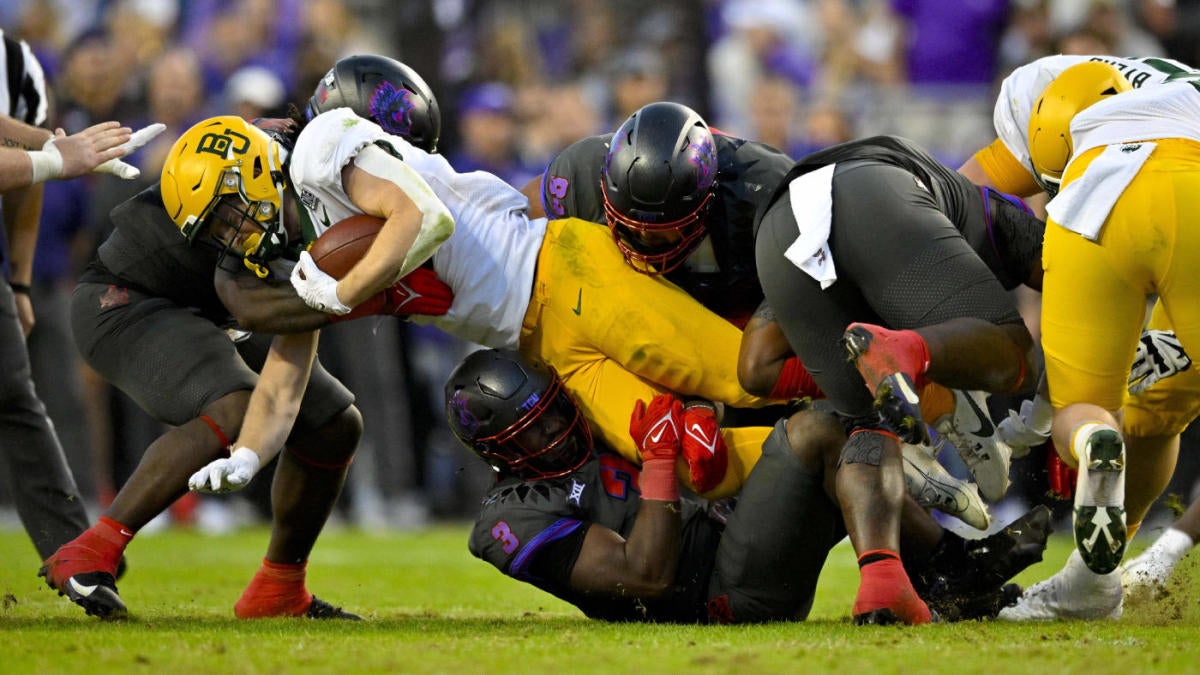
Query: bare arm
x: 762, y: 353
x: 416, y: 222
x: 266, y: 306
x: 533, y: 192
x: 70, y: 156
x: 276, y: 399
x: 643, y: 566
x: 17, y: 134
x: 22, y: 217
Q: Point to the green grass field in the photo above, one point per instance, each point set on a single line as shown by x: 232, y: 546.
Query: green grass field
x: 432, y: 608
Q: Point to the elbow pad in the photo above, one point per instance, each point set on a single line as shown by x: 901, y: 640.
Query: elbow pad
x: 436, y: 222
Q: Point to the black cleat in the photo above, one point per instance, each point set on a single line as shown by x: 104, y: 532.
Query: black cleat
x: 319, y: 609
x: 993, y: 560
x: 877, y: 617
x: 95, y: 592
x: 973, y: 606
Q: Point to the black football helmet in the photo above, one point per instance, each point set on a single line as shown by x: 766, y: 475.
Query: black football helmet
x: 516, y: 414
x: 658, y: 180
x: 384, y: 91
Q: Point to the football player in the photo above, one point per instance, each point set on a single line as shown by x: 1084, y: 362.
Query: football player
x: 680, y: 200
x: 1166, y: 396
x: 875, y: 245
x: 622, y: 544
x: 1121, y: 156
x: 182, y: 324
x: 557, y: 290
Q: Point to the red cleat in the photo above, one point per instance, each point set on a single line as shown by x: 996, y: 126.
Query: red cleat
x: 87, y: 578
x: 893, y: 365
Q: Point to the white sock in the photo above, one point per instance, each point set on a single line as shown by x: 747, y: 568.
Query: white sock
x: 1172, y: 544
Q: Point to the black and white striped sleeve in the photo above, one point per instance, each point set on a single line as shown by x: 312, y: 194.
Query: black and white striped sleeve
x: 23, y: 94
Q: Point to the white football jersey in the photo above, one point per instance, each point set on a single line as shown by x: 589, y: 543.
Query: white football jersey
x: 1168, y: 111
x: 1024, y: 86
x: 488, y: 262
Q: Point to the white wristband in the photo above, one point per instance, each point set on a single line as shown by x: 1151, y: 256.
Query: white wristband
x: 47, y: 164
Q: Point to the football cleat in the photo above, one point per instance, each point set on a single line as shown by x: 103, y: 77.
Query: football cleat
x: 319, y: 609
x: 1074, y: 592
x: 973, y: 434
x: 972, y: 606
x: 95, y: 592
x: 890, y: 370
x: 993, y: 560
x: 965, y: 578
x: 1099, y: 515
x: 933, y: 487
x: 86, y: 578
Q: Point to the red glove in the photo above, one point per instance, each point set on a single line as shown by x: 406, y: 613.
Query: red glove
x: 421, y: 292
x: 704, y: 447
x: 655, y: 429
x: 1062, y: 477
x: 656, y: 432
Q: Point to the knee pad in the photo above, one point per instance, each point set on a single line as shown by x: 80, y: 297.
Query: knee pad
x: 865, y: 446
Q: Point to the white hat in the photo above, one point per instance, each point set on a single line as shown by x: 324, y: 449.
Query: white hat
x: 256, y: 85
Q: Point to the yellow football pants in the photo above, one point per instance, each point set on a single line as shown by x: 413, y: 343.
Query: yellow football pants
x: 1094, y: 295
x: 616, y: 336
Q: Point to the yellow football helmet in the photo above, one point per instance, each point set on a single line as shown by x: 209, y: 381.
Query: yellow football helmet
x: 228, y: 156
x: 1074, y: 90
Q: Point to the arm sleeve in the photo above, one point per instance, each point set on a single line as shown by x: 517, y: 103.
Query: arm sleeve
x: 1005, y: 172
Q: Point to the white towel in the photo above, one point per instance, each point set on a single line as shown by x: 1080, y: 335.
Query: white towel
x: 1084, y: 204
x: 811, y: 197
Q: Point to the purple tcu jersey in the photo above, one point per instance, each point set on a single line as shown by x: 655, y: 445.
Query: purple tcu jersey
x: 534, y: 530
x: 747, y: 174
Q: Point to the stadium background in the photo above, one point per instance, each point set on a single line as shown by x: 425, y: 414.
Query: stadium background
x: 517, y: 81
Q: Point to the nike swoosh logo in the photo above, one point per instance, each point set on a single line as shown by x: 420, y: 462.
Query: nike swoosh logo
x: 985, y: 421
x: 578, y: 304
x: 659, y: 429
x: 324, y: 217
x: 127, y: 533
x: 81, y: 589
x: 697, y: 432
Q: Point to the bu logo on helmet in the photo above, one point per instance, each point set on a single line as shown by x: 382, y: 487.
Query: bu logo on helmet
x: 224, y: 144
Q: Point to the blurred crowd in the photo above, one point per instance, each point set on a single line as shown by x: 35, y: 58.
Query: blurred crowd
x: 517, y: 80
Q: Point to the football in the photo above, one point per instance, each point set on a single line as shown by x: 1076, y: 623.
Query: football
x: 344, y: 244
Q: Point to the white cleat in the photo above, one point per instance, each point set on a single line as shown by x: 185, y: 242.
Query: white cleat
x: 1075, y: 592
x: 932, y: 486
x: 973, y: 434
x: 1099, y: 515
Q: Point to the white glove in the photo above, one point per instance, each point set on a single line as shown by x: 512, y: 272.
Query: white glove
x: 139, y: 138
x: 228, y: 474
x: 316, y: 288
x: 1028, y: 428
x: 1159, y: 355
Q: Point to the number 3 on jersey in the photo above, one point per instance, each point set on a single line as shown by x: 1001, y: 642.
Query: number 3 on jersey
x: 508, y: 540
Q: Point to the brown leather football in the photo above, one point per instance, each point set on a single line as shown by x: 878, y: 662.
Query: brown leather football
x: 344, y: 244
